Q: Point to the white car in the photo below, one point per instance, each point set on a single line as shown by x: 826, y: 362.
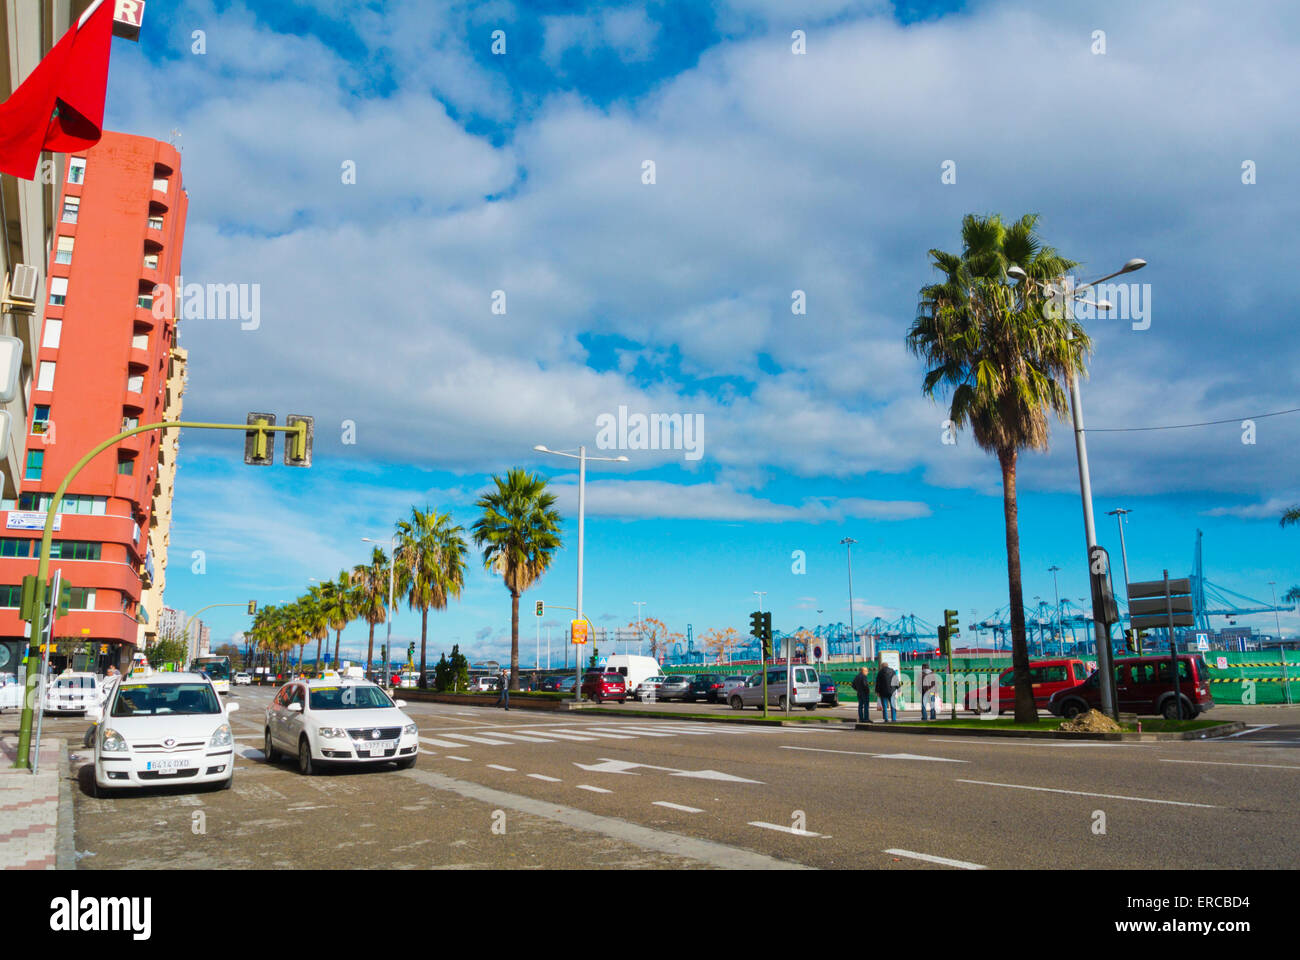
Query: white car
x: 648, y: 689
x: 164, y: 728
x: 337, y: 721
x: 73, y: 693
x: 243, y: 680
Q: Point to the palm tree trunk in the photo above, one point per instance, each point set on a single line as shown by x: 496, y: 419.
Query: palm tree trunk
x: 514, y: 640
x: 424, y: 636
x: 1026, y: 712
x: 318, y: 643
x: 370, y: 650
x: 337, y: 636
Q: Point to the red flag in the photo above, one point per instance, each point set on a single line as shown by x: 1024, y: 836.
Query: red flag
x: 60, y: 106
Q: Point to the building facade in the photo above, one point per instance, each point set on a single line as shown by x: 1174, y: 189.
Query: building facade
x: 106, y: 361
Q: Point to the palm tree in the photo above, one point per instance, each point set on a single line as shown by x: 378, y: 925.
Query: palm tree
x: 336, y: 597
x: 315, y: 619
x: 431, y: 567
x: 1007, y: 361
x: 1291, y: 515
x: 370, y: 594
x: 519, y: 533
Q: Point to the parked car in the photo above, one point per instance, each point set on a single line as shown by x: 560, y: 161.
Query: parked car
x: 674, y: 687
x: 349, y: 721
x: 242, y: 679
x: 73, y: 693
x: 485, y: 684
x: 634, y: 668
x: 163, y: 728
x: 805, y: 689
x: 707, y: 687
x: 1143, y: 685
x: 600, y: 686
x: 648, y: 689
x: 830, y: 693
x: 1047, y: 676
x: 731, y: 683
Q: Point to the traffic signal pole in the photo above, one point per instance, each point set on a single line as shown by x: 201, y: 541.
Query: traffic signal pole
x: 47, y: 540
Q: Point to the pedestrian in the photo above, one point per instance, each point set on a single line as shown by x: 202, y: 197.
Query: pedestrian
x: 886, y: 684
x: 862, y: 687
x: 504, y: 699
x: 929, y: 681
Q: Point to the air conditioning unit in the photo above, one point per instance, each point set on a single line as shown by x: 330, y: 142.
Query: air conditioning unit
x: 21, y: 292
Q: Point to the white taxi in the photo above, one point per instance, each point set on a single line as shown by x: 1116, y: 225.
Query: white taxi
x: 336, y: 721
x: 73, y: 693
x: 161, y: 729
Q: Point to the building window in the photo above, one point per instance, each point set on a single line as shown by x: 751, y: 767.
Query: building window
x: 77, y: 170
x: 135, y: 384
x: 10, y: 596
x: 71, y: 208
x: 58, y: 291
x: 16, y: 547
x: 145, y: 301
x: 125, y: 467
x: 83, y: 598
x: 45, y: 381
x: 75, y: 550
x: 53, y: 333
x: 140, y: 341
x: 63, y: 253
x: 160, y: 185
x: 151, y: 261
x: 35, y: 464
x: 130, y: 423
x: 155, y: 223
x: 41, y: 418
x: 73, y: 503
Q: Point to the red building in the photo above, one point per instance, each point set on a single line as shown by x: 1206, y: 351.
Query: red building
x: 105, y: 362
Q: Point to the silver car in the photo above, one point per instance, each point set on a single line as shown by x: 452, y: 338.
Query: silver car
x: 805, y: 690
x: 674, y: 687
x: 731, y: 683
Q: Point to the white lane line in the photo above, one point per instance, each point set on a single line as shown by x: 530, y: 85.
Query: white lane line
x: 1080, y: 793
x: 440, y: 743
x: 461, y: 759
x: 542, y: 776
x: 783, y: 829
x: 1242, y: 733
x: 570, y: 736
x: 594, y: 733
x: 878, y: 756
x: 488, y: 740
x: 427, y: 753
x: 929, y: 858
x: 519, y: 736
x: 676, y: 806
x: 1223, y: 763
x: 1022, y: 742
x: 497, y: 766
x: 583, y: 786
x: 639, y: 731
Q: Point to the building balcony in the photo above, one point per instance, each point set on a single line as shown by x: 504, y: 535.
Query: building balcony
x: 144, y: 318
x: 158, y: 202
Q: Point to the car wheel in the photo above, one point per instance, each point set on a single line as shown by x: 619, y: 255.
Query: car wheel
x: 268, y: 748
x: 1171, y: 710
x: 810, y: 706
x: 780, y: 703
x: 305, y: 766
x: 737, y: 703
x: 1071, y: 709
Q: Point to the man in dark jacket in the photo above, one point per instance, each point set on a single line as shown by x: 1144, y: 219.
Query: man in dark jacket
x: 862, y: 687
x: 504, y: 682
x: 886, y: 684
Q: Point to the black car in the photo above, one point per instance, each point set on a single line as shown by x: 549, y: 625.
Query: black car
x: 552, y: 684
x: 829, y: 693
x: 706, y: 686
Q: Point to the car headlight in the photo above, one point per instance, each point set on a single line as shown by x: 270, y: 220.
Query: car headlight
x: 112, y: 742
x: 332, y: 733
x: 222, y: 737
x: 410, y: 730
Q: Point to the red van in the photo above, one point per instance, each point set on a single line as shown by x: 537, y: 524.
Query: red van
x: 1047, y: 677
x: 1144, y: 685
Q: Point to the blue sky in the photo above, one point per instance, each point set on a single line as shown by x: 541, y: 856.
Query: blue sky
x: 775, y: 172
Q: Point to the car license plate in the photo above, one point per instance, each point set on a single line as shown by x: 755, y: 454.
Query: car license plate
x: 379, y: 747
x: 166, y: 766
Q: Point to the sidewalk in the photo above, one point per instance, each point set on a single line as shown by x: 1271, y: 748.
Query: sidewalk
x: 29, y: 808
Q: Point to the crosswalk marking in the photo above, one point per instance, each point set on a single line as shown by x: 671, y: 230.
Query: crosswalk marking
x: 542, y: 776
x: 569, y: 736
x: 527, y: 738
x: 583, y: 786
x: 488, y: 740
x: 599, y: 733
x: 676, y: 806
x: 440, y: 743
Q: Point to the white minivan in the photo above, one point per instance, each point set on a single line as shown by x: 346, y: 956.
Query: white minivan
x: 805, y: 689
x: 634, y: 669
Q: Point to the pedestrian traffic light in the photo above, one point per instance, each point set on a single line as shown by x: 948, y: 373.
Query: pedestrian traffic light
x: 297, y: 446
x: 539, y: 608
x: 259, y: 444
x: 944, y: 648
x: 756, y: 625
x: 950, y: 621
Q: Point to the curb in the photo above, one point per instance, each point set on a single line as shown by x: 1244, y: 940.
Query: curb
x: 1204, y: 733
x: 756, y: 720
x: 65, y: 846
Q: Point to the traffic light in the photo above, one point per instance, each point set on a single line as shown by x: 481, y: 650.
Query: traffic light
x: 765, y: 624
x: 297, y: 446
x: 259, y: 445
x: 252, y: 607
x: 944, y: 648
x: 539, y: 608
x: 950, y: 622
x: 756, y: 625
x: 65, y: 598
x: 1134, y: 638
x: 27, y: 605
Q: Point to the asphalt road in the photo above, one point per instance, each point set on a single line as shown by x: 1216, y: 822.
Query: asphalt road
x: 533, y: 789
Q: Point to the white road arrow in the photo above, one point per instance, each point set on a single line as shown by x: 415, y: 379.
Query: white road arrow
x: 622, y: 766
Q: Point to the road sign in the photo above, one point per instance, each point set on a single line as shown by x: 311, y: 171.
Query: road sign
x: 1103, y: 600
x: 578, y: 630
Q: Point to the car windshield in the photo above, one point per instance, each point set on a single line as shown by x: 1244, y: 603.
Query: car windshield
x: 165, y: 699
x: 352, y: 697
x: 77, y: 683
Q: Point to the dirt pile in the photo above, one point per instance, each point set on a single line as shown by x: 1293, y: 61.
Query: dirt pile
x: 1094, y: 721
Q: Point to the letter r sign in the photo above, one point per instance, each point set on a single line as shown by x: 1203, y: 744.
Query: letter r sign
x: 128, y: 15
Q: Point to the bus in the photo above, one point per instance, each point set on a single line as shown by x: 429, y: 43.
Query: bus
x: 217, y: 669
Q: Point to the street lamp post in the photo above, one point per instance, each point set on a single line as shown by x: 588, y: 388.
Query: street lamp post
x: 1101, y: 631
x: 582, y: 458
x: 1120, y: 514
x: 1060, y: 638
x: 639, y: 628
x: 848, y: 543
x: 392, y: 565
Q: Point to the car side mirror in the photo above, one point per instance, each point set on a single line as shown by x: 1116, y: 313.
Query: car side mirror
x: 94, y: 714
x: 295, y: 708
x: 231, y: 707
x: 399, y: 703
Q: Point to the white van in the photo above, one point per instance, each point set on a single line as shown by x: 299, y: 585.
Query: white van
x: 634, y: 669
x: 806, y: 689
